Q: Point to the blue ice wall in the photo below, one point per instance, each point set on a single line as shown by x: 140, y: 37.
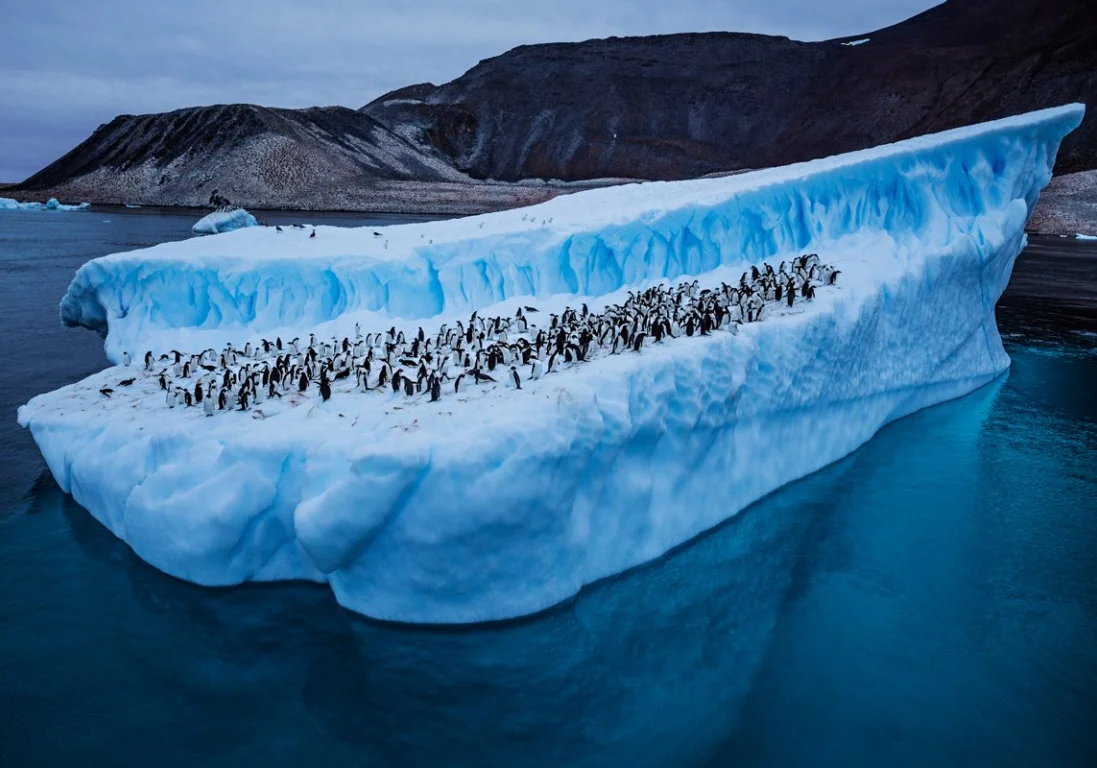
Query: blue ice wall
x: 924, y: 192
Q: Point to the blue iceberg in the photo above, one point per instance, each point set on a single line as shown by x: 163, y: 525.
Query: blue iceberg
x: 8, y: 204
x: 224, y: 221
x: 504, y: 502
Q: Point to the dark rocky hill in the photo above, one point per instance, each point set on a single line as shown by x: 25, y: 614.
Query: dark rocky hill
x: 678, y: 106
x: 252, y: 155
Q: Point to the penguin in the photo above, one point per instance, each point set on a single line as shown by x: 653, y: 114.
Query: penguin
x: 198, y: 392
x: 126, y: 382
x: 515, y: 377
x: 208, y: 406
x: 126, y: 359
x: 187, y: 400
x: 170, y: 398
x: 435, y: 389
x: 409, y: 388
x: 834, y: 277
x: 148, y: 361
x: 163, y: 381
x: 457, y: 383
x: 313, y: 234
x: 325, y: 389
x: 303, y: 384
x: 106, y: 391
x: 277, y: 228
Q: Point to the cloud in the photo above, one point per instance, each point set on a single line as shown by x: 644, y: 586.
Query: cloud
x: 64, y: 69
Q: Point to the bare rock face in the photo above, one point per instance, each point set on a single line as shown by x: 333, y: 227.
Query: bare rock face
x: 678, y: 106
x: 1068, y: 206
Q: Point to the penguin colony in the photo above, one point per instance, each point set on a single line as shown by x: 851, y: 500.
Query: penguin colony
x: 486, y: 350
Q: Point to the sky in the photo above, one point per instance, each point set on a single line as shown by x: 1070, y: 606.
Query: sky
x: 66, y: 66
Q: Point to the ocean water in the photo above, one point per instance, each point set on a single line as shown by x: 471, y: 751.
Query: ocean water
x: 929, y: 600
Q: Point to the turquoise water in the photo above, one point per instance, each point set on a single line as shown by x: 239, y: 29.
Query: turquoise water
x: 931, y: 599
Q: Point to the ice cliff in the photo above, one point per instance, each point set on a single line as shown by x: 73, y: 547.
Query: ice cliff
x: 511, y: 501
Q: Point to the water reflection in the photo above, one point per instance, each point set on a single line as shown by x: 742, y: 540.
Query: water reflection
x: 883, y: 573
x: 649, y: 668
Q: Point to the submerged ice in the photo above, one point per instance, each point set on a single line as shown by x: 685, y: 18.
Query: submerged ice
x: 507, y: 502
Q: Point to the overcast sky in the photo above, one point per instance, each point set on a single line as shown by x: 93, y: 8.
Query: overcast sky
x: 66, y: 67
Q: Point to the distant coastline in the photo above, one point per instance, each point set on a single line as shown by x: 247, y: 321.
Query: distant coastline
x: 1067, y: 206
x: 397, y: 197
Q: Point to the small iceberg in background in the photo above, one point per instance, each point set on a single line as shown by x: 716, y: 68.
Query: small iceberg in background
x: 132, y: 205
x: 1080, y: 236
x: 224, y: 221
x: 8, y: 204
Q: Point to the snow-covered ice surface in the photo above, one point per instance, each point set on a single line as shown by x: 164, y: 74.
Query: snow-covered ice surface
x: 8, y: 204
x: 224, y: 221
x: 501, y: 503
x: 852, y: 43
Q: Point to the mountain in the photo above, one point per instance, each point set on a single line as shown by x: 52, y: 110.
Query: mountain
x: 249, y: 154
x: 678, y: 106
x: 602, y: 111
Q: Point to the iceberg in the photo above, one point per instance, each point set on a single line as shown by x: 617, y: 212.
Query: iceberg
x: 501, y: 502
x: 8, y: 204
x: 224, y: 221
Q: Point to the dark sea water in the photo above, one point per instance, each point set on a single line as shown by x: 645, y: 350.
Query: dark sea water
x: 929, y: 600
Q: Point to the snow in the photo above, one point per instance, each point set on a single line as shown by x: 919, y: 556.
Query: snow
x: 1080, y: 236
x: 862, y: 41
x: 224, y: 221
x: 7, y: 204
x: 498, y: 503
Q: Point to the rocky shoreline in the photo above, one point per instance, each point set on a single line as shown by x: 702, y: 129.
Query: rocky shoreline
x: 397, y: 197
x: 1068, y: 206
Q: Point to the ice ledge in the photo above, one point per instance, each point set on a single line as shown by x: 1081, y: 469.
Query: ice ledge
x: 206, y: 291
